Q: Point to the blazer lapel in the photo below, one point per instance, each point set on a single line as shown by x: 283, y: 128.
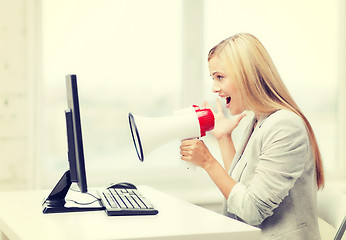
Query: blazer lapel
x: 242, y: 143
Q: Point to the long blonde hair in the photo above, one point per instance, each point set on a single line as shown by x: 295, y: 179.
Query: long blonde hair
x: 260, y: 85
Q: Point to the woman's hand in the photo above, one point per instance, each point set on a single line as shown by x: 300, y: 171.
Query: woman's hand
x: 196, y: 152
x: 223, y: 126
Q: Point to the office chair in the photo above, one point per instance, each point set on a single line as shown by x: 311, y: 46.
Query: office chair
x: 331, y: 207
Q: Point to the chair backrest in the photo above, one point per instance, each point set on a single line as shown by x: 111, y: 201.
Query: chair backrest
x: 331, y: 207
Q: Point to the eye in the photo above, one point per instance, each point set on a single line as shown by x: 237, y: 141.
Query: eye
x: 219, y: 77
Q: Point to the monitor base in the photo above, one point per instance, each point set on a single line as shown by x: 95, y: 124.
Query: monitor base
x: 56, y: 203
x: 50, y: 209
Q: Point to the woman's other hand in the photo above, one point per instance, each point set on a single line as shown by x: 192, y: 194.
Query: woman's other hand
x: 223, y: 126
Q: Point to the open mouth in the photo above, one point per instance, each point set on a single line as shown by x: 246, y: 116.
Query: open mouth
x: 228, y: 100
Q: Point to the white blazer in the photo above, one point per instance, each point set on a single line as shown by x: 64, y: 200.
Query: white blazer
x: 276, y: 182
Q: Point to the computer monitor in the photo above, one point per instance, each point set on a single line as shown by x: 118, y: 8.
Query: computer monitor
x: 74, y: 137
x: 56, y: 202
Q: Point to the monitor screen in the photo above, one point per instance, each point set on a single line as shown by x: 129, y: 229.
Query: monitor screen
x: 74, y: 135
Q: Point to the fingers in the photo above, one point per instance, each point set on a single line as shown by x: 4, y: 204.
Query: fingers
x: 185, y: 151
x: 185, y: 155
x: 185, y: 158
x: 206, y: 105
x: 218, y: 105
x: 187, y: 148
x: 189, y: 142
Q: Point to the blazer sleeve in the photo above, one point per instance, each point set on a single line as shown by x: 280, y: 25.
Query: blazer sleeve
x: 284, y: 150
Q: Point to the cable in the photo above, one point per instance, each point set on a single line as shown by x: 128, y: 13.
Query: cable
x: 86, y: 193
x: 79, y: 203
x: 88, y: 203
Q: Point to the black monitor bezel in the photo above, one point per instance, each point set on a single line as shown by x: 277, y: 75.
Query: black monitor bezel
x: 76, y: 151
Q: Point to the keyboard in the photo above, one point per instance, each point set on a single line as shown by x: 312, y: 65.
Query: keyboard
x: 125, y: 201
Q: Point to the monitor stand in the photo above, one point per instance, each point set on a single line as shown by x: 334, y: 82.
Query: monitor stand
x: 56, y: 203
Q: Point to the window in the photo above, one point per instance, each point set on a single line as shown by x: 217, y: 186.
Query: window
x: 130, y: 56
x: 127, y: 57
x: 303, y: 40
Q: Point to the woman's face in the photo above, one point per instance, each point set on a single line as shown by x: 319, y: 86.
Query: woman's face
x: 224, y: 86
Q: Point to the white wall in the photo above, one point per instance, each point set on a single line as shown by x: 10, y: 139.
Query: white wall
x: 19, y: 87
x: 14, y: 92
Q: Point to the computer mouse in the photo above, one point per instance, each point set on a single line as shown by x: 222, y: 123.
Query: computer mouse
x: 123, y: 185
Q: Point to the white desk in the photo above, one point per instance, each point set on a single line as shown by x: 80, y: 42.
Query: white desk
x: 21, y: 217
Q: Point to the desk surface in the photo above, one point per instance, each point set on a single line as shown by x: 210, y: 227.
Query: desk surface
x: 21, y: 217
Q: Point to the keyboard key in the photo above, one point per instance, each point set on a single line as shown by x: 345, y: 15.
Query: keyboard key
x: 139, y: 202
x: 147, y: 203
x: 126, y: 201
x: 133, y: 202
x: 120, y: 201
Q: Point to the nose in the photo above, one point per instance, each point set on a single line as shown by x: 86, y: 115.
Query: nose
x: 216, y: 88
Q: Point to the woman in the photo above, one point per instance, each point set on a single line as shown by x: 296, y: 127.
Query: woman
x: 272, y: 179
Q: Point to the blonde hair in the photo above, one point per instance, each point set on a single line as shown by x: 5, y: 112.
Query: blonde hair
x: 248, y: 63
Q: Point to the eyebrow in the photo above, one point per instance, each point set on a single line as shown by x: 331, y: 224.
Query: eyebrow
x: 215, y: 73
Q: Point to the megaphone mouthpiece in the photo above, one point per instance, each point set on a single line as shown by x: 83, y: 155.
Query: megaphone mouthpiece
x: 205, y: 118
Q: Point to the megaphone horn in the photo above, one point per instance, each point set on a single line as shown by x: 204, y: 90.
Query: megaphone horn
x: 148, y: 133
